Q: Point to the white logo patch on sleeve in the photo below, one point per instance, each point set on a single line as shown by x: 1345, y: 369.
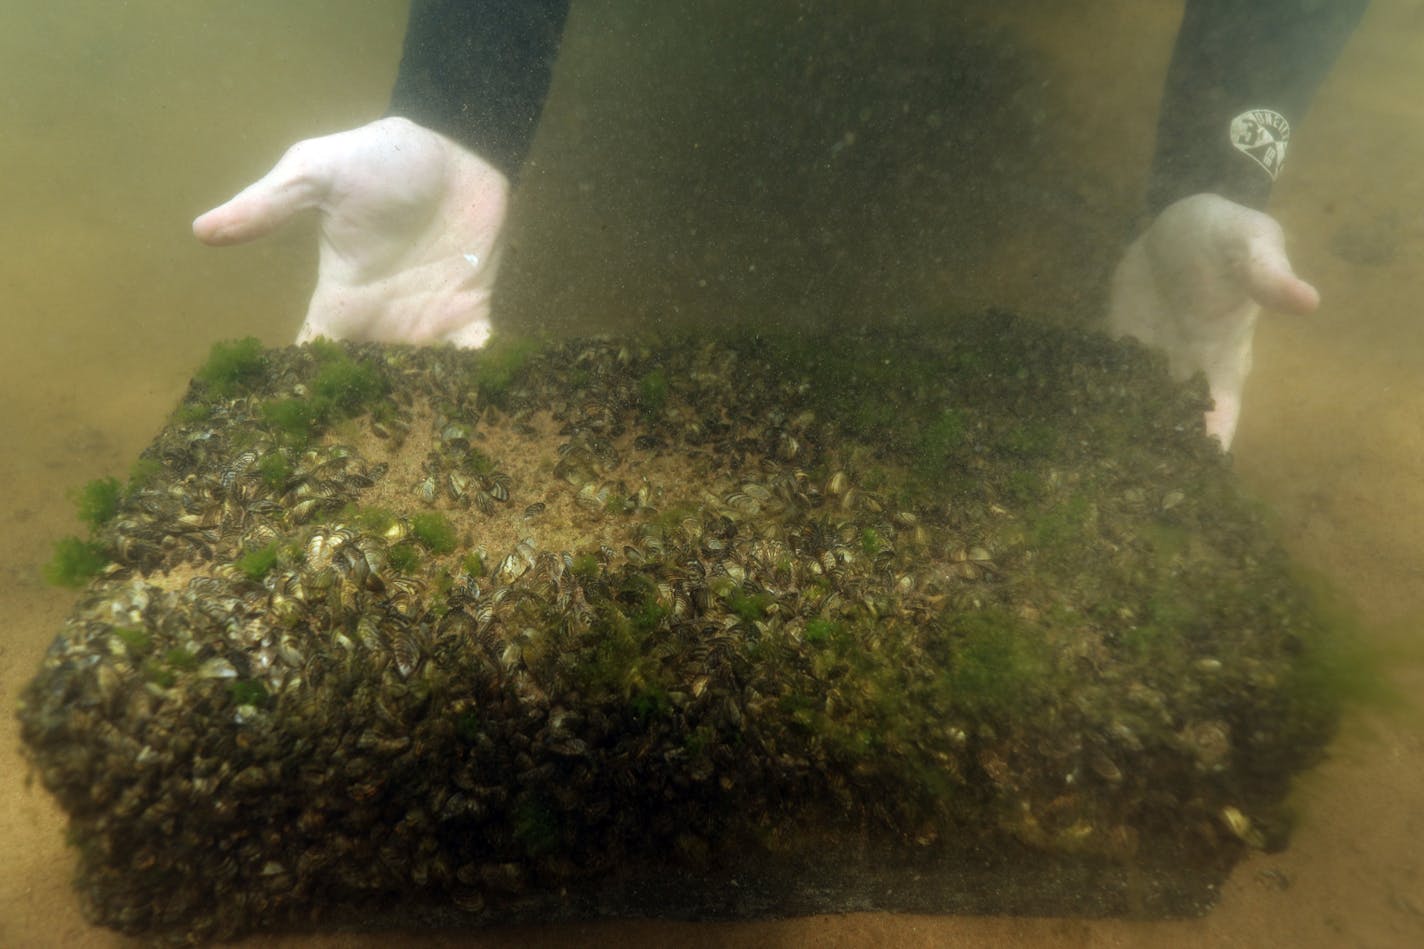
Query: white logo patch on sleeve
x: 1262, y: 135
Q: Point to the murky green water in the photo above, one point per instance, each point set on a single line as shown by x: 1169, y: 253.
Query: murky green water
x: 707, y: 161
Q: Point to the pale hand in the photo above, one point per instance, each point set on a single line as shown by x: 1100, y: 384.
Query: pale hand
x: 1193, y: 285
x: 410, y: 228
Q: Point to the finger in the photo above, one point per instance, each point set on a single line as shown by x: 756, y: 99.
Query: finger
x: 1271, y: 283
x: 294, y: 184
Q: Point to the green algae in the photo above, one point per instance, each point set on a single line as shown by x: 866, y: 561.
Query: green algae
x: 871, y: 543
x: 434, y: 532
x: 537, y: 825
x: 467, y: 725
x: 276, y: 470
x: 378, y: 520
x: 256, y: 564
x: 998, y: 667
x: 820, y: 632
x: 585, y: 566
x: 343, y: 386
x: 338, y: 387
x: 98, y: 501
x: 159, y: 674
x: 75, y: 562
x: 136, y: 640
x: 144, y: 473
x: 404, y: 557
x: 749, y: 606
x: 500, y: 363
x: 248, y: 692
x: 298, y: 420
x: 180, y: 659
x: 653, y: 390
x: 233, y: 366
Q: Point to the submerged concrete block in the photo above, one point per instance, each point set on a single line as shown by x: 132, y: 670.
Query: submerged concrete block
x: 972, y: 621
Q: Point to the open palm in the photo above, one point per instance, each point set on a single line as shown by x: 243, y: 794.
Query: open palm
x: 410, y: 227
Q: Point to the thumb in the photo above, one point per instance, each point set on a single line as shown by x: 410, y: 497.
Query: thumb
x: 294, y: 184
x: 1271, y: 282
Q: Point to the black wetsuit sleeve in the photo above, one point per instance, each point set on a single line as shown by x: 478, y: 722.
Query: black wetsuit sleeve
x: 1243, y: 74
x: 478, y: 71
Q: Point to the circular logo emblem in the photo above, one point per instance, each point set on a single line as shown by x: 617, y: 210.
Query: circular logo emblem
x: 1262, y: 135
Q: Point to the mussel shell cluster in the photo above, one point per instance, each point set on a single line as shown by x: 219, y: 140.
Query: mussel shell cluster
x: 701, y: 606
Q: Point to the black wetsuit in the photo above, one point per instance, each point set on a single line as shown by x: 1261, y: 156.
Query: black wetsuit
x: 478, y: 71
x: 1242, y: 73
x: 1239, y: 69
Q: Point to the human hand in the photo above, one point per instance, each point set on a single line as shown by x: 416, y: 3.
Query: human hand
x: 1193, y: 285
x: 410, y: 228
